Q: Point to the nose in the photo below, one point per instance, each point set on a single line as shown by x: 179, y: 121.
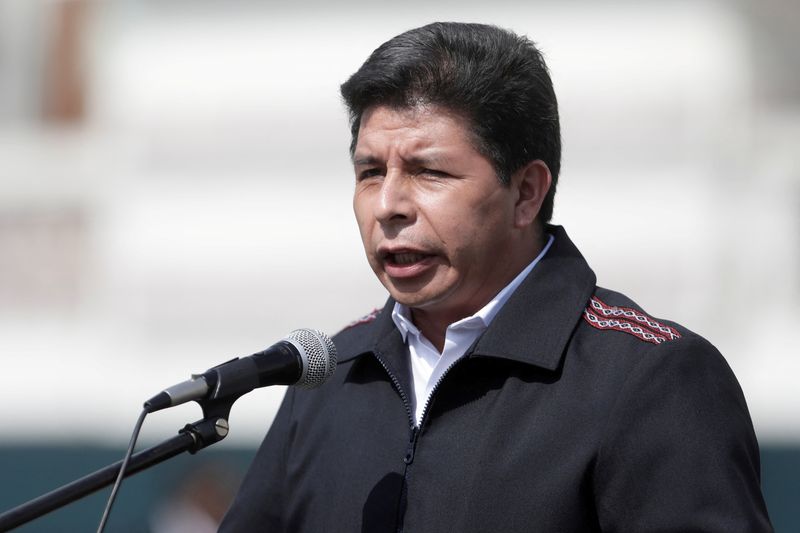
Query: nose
x: 395, y: 203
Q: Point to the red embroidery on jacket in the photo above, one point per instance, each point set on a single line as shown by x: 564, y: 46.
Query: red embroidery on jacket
x: 364, y: 319
x: 603, y: 316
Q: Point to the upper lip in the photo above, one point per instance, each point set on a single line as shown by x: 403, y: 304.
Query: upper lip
x: 385, y: 252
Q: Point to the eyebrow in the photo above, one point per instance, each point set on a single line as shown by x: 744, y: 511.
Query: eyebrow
x: 417, y: 161
x: 367, y: 160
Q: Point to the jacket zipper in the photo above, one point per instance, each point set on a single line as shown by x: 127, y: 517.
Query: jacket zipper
x: 412, y: 441
x: 400, y: 391
x: 436, y: 387
x: 412, y: 446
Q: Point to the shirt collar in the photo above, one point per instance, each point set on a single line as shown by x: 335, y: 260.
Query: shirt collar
x: 401, y: 314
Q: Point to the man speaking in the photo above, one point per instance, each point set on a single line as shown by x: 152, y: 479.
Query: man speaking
x: 499, y: 388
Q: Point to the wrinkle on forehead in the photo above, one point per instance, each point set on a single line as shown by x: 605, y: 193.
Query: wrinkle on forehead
x: 414, y: 148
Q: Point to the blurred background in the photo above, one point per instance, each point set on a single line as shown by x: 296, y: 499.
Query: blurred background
x: 175, y: 191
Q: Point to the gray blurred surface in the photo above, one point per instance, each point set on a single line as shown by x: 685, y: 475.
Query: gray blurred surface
x: 175, y: 187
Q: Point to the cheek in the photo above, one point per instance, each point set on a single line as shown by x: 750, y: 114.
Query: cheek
x: 461, y: 222
x: 362, y: 219
x: 483, y: 233
x: 366, y: 240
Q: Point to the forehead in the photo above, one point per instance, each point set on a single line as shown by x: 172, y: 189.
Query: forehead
x: 411, y: 129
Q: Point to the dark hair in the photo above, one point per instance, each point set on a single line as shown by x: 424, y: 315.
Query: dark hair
x: 494, y: 78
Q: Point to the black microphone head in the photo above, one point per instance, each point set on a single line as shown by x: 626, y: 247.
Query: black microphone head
x: 318, y: 354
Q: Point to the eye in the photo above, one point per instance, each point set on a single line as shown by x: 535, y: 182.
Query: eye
x: 433, y: 173
x: 369, y: 173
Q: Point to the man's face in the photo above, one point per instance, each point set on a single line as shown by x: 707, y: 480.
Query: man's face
x: 436, y: 223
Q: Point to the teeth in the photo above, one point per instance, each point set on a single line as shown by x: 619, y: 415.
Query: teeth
x: 407, y: 258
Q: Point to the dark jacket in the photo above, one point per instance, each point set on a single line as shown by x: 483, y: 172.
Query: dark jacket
x: 574, y: 412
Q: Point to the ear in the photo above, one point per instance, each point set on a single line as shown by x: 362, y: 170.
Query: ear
x: 532, y: 183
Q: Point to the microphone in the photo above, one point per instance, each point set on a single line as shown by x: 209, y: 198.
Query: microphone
x: 305, y: 358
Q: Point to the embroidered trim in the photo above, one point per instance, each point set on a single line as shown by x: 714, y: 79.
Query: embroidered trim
x: 366, y: 319
x: 603, y: 316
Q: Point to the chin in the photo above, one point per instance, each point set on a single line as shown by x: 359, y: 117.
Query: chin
x: 408, y: 298
x: 415, y: 300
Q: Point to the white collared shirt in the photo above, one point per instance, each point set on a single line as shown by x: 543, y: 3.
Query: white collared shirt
x: 427, y: 364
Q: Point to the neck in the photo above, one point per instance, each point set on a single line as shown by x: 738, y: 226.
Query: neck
x: 434, y: 321
x: 434, y: 324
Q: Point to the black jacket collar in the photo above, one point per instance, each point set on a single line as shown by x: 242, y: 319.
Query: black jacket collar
x: 552, y: 297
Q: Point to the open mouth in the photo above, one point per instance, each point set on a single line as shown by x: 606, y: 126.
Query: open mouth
x: 404, y: 263
x: 404, y: 258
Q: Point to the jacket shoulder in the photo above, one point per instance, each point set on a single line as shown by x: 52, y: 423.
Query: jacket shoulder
x: 616, y: 333
x: 358, y: 336
x: 610, y: 311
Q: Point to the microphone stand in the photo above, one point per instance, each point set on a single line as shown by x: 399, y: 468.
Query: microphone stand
x: 192, y: 438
